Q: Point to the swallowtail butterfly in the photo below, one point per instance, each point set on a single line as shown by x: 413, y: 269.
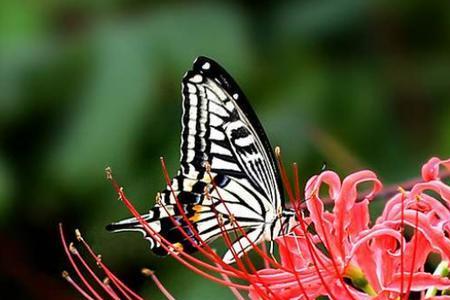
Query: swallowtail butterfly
x: 220, y: 131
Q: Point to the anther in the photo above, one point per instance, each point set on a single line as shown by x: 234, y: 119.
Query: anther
x: 78, y: 234
x: 207, y: 167
x: 108, y: 172
x: 220, y: 219
x: 277, y: 151
x: 158, y: 198
x: 232, y: 219
x: 207, y: 194
x: 147, y: 272
x: 99, y: 260
x: 73, y: 249
x: 401, y: 190
x: 279, y: 212
x: 65, y: 274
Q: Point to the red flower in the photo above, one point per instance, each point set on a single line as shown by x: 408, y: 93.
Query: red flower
x: 330, y: 252
x: 345, y: 258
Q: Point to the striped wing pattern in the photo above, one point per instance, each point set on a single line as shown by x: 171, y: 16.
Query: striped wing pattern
x: 219, y: 129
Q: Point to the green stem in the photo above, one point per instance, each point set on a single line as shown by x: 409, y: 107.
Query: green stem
x: 441, y: 270
x: 358, y: 279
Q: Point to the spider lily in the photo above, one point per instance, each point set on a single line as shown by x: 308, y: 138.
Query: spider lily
x: 335, y: 253
x: 345, y: 258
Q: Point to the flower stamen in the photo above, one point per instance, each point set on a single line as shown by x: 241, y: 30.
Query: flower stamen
x: 151, y: 274
x: 69, y: 279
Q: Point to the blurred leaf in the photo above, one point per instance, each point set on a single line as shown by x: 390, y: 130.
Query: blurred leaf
x: 125, y: 83
x: 6, y: 193
x: 21, y: 45
x: 316, y: 18
x: 111, y: 110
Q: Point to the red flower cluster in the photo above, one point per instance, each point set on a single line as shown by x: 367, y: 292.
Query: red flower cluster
x: 345, y: 258
x: 331, y: 252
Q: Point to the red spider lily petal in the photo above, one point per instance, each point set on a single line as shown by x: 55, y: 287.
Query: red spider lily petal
x: 430, y: 170
x: 420, y: 281
x: 361, y: 218
x: 349, y: 242
x: 343, y: 208
x: 434, y: 234
x: 421, y: 256
x: 376, y: 260
x: 285, y: 283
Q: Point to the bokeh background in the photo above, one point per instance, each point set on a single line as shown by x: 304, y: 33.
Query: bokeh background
x: 89, y: 84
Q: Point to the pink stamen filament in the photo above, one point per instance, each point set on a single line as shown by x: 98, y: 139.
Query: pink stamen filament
x: 158, y: 283
x: 209, y: 253
x: 244, y: 233
x: 216, y: 259
x: 109, y: 288
x: 74, y: 265
x: 413, y: 261
x: 122, y: 287
x: 67, y: 277
x: 402, y: 229
x: 233, y: 290
x: 254, y: 246
x: 238, y: 260
x: 166, y: 245
x: 91, y: 272
x: 224, y: 233
x: 111, y: 276
x: 264, y: 249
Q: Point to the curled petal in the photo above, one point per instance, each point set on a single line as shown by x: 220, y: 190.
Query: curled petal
x: 347, y: 197
x: 392, y: 207
x: 294, y: 250
x: 433, y: 234
x: 361, y: 218
x: 375, y: 232
x: 437, y: 186
x: 328, y: 177
x: 430, y: 170
x: 420, y: 281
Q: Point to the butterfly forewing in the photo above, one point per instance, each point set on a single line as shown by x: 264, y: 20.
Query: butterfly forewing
x: 219, y: 126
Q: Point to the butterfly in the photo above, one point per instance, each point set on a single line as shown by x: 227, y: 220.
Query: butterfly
x: 227, y: 168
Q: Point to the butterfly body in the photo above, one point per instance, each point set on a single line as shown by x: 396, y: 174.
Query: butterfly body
x: 227, y: 171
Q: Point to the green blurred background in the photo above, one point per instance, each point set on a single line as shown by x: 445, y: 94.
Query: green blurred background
x: 89, y: 84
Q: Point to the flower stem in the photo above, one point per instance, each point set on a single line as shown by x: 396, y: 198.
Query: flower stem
x: 441, y: 270
x: 358, y: 279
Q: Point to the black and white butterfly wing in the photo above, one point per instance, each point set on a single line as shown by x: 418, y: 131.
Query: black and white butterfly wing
x: 219, y: 129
